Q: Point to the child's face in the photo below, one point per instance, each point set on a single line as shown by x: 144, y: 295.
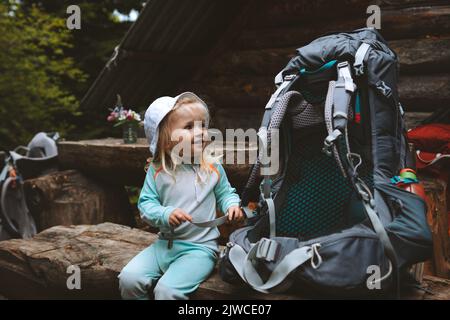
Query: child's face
x: 188, y: 122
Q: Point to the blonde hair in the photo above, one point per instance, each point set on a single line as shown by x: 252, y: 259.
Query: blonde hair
x: 162, y: 155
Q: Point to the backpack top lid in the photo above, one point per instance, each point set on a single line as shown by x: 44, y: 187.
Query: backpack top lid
x: 41, y: 148
x: 337, y: 46
x: 313, y: 84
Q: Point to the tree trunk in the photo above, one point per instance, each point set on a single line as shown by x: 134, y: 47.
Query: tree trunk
x: 69, y: 197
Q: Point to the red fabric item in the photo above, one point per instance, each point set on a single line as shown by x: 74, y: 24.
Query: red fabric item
x: 434, y: 138
x: 433, y: 141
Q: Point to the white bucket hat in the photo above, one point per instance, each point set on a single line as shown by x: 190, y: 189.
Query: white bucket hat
x: 157, y: 111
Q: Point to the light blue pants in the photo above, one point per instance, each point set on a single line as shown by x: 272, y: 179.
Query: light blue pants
x: 174, y: 272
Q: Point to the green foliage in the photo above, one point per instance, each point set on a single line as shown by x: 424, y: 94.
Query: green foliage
x: 100, y: 31
x: 45, y: 69
x: 35, y: 75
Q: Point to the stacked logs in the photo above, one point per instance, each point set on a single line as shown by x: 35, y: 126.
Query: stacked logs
x: 239, y: 82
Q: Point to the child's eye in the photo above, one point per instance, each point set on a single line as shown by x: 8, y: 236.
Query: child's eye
x: 188, y: 127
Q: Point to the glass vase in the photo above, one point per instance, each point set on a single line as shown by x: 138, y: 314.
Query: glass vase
x: 130, y: 132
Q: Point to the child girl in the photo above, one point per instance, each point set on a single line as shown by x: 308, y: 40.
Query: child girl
x: 176, y: 193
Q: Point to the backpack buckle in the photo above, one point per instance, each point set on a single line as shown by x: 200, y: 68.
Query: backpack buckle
x: 226, y: 249
x: 267, y: 249
x: 330, y: 141
x: 359, y: 70
x: 384, y: 89
x: 360, y: 57
x: 345, y: 74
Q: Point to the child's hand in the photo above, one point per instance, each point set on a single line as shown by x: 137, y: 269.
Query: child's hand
x: 178, y: 216
x: 235, y: 213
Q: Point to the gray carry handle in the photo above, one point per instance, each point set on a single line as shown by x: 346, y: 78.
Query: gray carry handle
x: 242, y: 262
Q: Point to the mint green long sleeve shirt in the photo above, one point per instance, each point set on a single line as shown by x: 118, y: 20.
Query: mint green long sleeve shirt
x: 195, y: 191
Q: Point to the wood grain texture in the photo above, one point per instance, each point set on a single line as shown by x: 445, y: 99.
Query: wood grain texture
x: 36, y: 268
x: 69, y: 197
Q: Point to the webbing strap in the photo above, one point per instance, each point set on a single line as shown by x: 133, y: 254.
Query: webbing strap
x: 243, y: 263
x: 211, y: 223
x: 275, y: 95
x: 360, y: 56
x: 329, y: 147
x: 272, y: 216
x: 337, y: 105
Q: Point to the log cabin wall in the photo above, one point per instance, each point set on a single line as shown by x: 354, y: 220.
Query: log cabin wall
x: 238, y: 82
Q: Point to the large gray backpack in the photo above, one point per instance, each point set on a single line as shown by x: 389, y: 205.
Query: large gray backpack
x: 330, y: 220
x: 24, y: 162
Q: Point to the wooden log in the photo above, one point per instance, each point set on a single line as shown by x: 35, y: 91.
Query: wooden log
x: 424, y: 93
x: 414, y: 119
x: 437, y: 217
x: 434, y: 288
x: 276, y: 13
x: 417, y: 93
x: 116, y: 163
x: 69, y: 197
x: 395, y: 24
x: 251, y: 118
x: 37, y: 268
x: 107, y: 159
x: 423, y: 55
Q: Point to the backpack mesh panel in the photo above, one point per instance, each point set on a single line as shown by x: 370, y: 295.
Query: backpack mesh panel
x: 317, y: 194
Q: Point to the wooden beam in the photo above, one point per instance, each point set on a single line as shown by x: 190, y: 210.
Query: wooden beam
x: 395, y: 24
x: 422, y: 55
x: 112, y: 161
x: 232, y: 32
x: 276, y: 13
x: 414, y: 119
x: 424, y: 93
x: 417, y: 93
x: 109, y: 160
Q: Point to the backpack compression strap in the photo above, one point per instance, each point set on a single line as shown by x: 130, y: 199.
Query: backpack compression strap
x: 283, y: 84
x: 244, y: 264
x: 266, y: 133
x: 336, y: 115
